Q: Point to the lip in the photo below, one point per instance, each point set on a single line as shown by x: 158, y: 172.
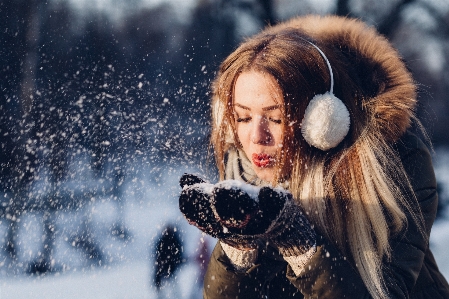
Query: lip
x: 263, y: 160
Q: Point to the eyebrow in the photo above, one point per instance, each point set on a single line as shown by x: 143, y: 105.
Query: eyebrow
x: 269, y: 108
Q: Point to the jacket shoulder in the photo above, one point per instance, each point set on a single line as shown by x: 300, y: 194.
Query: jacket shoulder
x: 417, y: 161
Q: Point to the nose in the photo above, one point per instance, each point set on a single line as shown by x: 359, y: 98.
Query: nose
x: 260, y: 133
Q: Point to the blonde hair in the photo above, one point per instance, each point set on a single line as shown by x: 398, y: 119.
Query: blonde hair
x: 358, y: 193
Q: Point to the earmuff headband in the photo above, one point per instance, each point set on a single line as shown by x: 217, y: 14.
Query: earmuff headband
x: 326, y: 119
x: 328, y: 66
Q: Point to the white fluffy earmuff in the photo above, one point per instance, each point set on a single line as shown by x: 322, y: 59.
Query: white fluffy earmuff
x: 326, y: 119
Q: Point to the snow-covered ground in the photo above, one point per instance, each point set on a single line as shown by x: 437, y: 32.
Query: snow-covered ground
x: 128, y: 280
x: 128, y: 263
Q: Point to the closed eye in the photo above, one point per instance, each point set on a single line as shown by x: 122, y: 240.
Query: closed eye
x: 247, y: 119
x: 243, y: 119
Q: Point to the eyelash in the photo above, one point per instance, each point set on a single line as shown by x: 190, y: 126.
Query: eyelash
x: 243, y: 120
x: 247, y: 119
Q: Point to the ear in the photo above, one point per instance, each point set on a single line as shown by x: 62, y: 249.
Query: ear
x: 326, y: 121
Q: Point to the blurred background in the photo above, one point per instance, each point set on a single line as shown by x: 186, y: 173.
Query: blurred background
x: 105, y: 103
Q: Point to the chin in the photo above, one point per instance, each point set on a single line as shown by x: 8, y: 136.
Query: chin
x: 265, y: 175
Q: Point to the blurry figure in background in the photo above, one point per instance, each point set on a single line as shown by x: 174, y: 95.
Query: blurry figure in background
x: 168, y: 259
x: 443, y: 201
x: 201, y: 260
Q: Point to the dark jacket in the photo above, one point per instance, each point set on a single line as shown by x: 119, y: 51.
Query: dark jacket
x: 411, y: 273
x: 168, y: 255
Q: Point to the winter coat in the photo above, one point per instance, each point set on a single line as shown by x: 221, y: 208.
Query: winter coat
x: 389, y: 103
x: 411, y: 273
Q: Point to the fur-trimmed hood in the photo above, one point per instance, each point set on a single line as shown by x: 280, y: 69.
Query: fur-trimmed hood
x: 391, y: 106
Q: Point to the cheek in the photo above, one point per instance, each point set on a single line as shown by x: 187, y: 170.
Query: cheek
x: 242, y: 133
x: 277, y: 134
x: 244, y: 138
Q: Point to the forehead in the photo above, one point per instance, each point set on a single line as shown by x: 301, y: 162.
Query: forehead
x: 257, y: 89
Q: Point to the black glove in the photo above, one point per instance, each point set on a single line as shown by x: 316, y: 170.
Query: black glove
x: 240, y: 214
x: 196, y: 203
x: 270, y: 214
x: 188, y: 179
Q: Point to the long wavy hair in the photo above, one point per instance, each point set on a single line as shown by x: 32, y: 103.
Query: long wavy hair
x: 355, y: 193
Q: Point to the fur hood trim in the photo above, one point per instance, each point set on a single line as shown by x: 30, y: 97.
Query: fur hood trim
x: 392, y: 101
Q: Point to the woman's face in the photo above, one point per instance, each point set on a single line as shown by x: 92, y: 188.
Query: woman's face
x: 258, y: 106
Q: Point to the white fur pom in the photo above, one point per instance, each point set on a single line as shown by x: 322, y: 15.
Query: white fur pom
x: 326, y: 121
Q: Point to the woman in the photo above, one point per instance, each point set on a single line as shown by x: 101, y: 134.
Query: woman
x: 324, y: 192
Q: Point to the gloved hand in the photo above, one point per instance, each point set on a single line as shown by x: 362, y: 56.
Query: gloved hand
x: 196, y: 202
x: 240, y: 214
x: 266, y: 213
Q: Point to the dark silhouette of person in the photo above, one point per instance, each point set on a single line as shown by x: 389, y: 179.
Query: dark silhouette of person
x: 169, y: 255
x: 202, y: 260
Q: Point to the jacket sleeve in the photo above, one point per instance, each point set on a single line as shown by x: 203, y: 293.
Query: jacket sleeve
x: 409, y: 248
x: 328, y: 274
x: 222, y: 281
